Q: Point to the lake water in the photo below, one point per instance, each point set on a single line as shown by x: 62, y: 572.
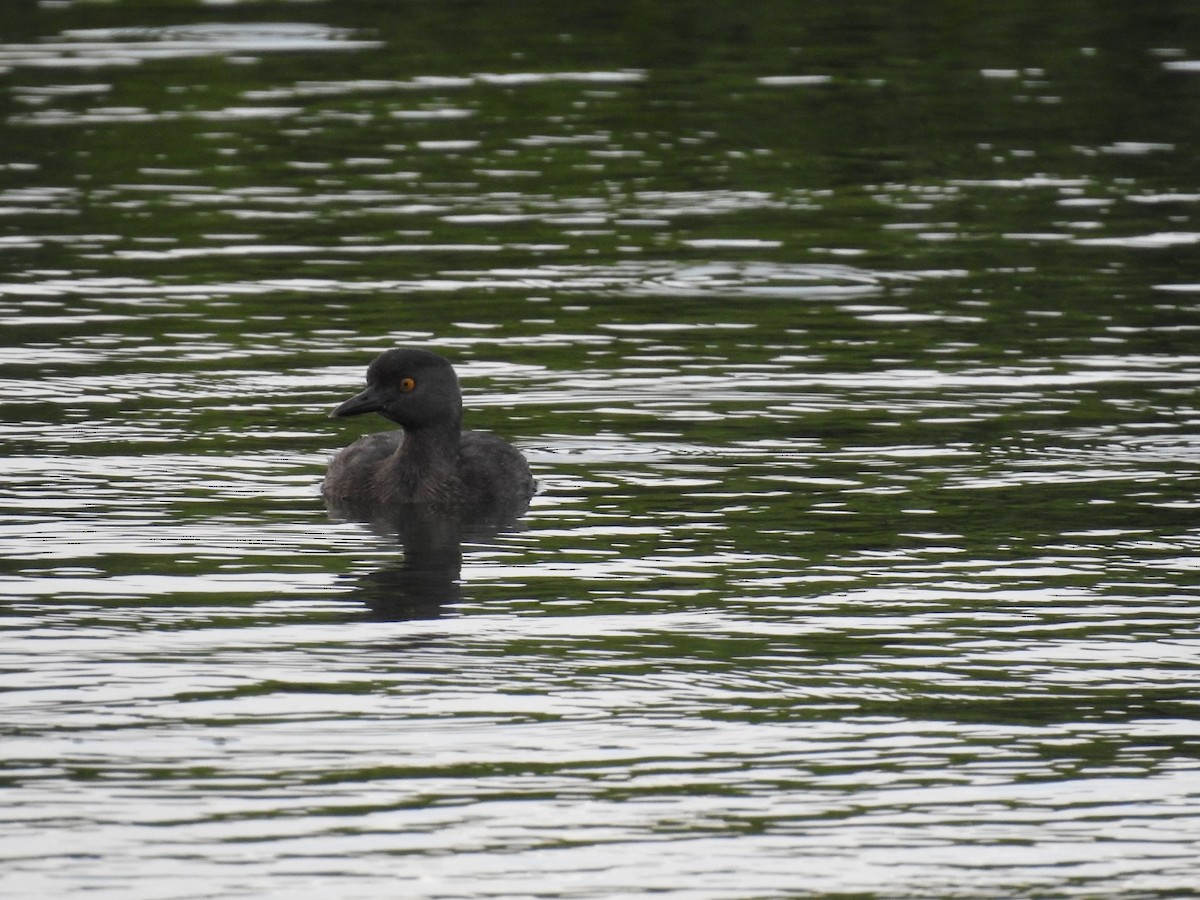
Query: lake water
x: 855, y: 350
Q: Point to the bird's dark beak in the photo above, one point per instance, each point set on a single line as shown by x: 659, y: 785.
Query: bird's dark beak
x: 365, y: 402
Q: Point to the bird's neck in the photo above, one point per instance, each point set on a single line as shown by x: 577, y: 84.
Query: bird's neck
x: 427, y: 461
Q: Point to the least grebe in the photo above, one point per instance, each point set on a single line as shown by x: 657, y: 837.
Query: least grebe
x: 432, y: 462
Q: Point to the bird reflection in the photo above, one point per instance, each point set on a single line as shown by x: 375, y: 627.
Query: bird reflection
x: 427, y: 578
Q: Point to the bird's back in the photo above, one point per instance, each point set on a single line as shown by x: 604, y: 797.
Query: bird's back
x: 489, y: 474
x: 493, y: 472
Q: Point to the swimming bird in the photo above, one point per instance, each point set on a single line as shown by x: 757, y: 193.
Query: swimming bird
x: 432, y: 462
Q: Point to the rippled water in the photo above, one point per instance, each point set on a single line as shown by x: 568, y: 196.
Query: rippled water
x: 856, y: 359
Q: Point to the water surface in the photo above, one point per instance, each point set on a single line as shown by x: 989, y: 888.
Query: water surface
x: 854, y: 353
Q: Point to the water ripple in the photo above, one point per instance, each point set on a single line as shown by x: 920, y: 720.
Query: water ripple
x: 98, y: 47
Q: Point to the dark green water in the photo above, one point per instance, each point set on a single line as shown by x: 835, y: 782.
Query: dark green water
x: 854, y: 346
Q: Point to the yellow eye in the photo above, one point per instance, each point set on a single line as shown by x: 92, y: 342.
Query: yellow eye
x: 407, y: 384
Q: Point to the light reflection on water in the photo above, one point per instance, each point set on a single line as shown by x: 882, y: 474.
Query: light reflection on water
x: 569, y: 734
x: 863, y: 555
x: 100, y: 47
